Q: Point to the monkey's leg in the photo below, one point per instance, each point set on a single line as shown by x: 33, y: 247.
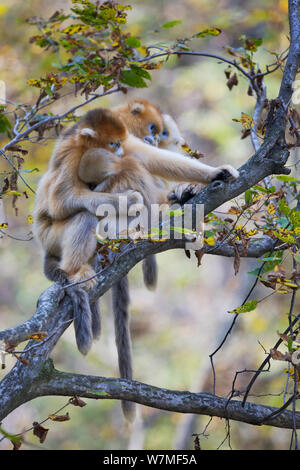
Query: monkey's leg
x: 120, y: 298
x: 78, y: 248
x: 54, y: 273
x: 82, y: 315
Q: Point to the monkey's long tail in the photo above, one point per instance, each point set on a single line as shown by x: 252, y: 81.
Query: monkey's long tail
x: 120, y: 299
x: 86, y: 317
x: 149, y: 266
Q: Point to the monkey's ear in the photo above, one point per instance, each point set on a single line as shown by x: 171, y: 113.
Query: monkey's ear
x: 137, y: 108
x: 88, y: 132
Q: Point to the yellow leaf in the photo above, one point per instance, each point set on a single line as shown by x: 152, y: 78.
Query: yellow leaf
x: 286, y: 238
x: 210, y: 241
x: 76, y: 28
x: 282, y: 291
x: 271, y: 208
x: 251, y: 232
x: 30, y: 219
x: 38, y: 336
x: 13, y: 193
x: 246, y: 120
x: 290, y: 284
x: 257, y: 198
x: 5, y: 225
x: 34, y: 82
x: 142, y: 50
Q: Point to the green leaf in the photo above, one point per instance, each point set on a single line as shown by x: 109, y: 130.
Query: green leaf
x: 264, y: 190
x: 271, y: 263
x: 247, y: 307
x: 141, y: 72
x: 11, y: 437
x: 287, y: 178
x: 171, y: 24
x: 283, y: 207
x: 248, y: 196
x: 131, y: 78
x: 290, y: 345
x: 133, y: 42
x: 5, y: 124
x: 295, y: 218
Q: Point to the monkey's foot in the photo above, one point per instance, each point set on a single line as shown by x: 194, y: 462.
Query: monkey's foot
x: 225, y: 173
x: 183, y: 192
x: 85, y: 273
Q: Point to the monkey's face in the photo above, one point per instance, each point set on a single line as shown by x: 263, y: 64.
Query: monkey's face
x: 112, y: 137
x: 102, y: 128
x: 143, y: 120
x: 171, y: 137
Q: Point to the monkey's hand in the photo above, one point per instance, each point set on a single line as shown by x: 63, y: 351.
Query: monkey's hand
x: 225, y: 173
x: 182, y: 192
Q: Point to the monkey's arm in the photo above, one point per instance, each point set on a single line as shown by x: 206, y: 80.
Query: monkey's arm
x: 173, y: 166
x: 65, y: 199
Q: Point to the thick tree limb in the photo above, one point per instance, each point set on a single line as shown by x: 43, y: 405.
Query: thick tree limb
x: 52, y: 382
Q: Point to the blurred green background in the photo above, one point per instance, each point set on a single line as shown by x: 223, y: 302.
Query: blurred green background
x: 175, y: 328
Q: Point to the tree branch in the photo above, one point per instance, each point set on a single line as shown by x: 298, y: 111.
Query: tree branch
x: 53, y: 382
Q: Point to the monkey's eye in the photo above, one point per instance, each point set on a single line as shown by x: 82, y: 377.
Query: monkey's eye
x: 114, y: 145
x: 164, y: 134
x: 153, y: 128
x: 116, y: 148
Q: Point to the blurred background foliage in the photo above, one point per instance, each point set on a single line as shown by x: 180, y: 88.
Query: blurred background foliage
x: 176, y: 328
